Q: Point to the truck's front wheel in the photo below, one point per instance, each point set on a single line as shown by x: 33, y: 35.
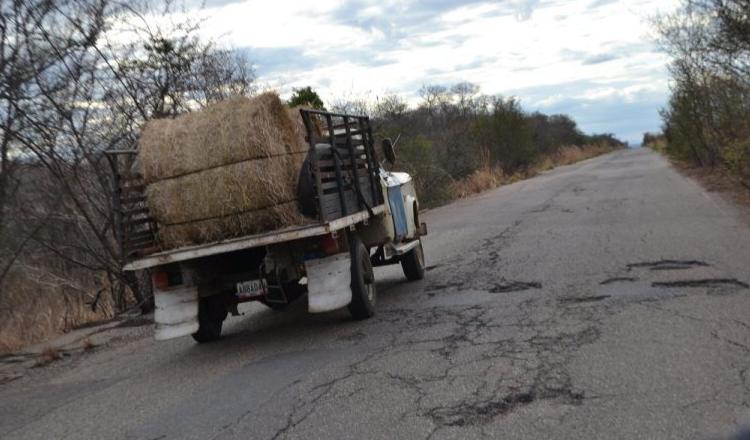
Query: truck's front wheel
x: 413, y: 263
x: 211, y: 315
x: 363, y: 281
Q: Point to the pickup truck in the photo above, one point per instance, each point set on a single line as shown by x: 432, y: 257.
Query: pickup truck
x: 362, y: 216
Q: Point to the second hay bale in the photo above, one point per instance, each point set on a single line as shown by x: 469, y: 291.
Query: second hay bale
x: 217, y: 192
x: 266, y: 219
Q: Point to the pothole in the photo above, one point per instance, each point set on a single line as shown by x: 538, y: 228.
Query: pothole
x: 668, y: 265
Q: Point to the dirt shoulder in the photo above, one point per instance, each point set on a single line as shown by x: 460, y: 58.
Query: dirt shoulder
x: 718, y: 181
x: 71, y: 347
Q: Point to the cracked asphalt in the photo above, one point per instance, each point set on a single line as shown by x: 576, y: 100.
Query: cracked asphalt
x: 606, y: 299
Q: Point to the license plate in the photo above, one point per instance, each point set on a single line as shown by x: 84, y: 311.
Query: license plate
x: 251, y: 288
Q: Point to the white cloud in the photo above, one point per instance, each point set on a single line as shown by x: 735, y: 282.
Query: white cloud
x: 521, y: 46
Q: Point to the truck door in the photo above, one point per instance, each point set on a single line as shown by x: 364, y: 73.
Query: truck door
x: 396, y: 201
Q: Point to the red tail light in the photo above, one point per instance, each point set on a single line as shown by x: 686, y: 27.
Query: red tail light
x: 165, y: 277
x: 160, y: 279
x: 329, y: 244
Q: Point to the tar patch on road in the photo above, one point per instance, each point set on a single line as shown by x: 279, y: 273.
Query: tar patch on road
x: 618, y: 280
x: 668, y: 265
x: 704, y: 282
x: 502, y: 286
x: 479, y: 413
x: 583, y: 299
x: 673, y: 274
x: 483, y: 412
x: 434, y: 287
x: 514, y: 286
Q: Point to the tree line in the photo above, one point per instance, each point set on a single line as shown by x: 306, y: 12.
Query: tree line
x: 456, y: 130
x: 79, y: 78
x: 707, y: 118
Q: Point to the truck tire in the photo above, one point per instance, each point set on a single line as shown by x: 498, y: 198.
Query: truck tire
x: 306, y: 190
x: 363, y: 281
x: 412, y: 263
x: 211, y: 315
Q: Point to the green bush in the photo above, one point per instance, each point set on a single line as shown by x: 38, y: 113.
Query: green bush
x: 417, y: 157
x: 707, y: 119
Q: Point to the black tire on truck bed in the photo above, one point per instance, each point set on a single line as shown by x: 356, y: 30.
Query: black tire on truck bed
x: 363, y: 280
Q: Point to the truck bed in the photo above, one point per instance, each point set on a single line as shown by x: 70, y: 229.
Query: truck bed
x: 251, y: 241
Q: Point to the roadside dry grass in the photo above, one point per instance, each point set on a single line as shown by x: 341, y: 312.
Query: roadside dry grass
x: 35, y: 307
x: 491, y: 177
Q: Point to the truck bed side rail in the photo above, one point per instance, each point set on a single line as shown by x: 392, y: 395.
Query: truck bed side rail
x: 135, y: 229
x: 344, y: 164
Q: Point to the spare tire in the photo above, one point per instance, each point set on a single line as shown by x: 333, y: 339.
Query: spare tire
x: 306, y: 189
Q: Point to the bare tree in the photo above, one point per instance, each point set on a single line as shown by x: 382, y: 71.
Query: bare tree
x: 72, y: 93
x: 44, y: 50
x: 390, y: 106
x: 465, y: 93
x: 351, y: 103
x: 434, y: 97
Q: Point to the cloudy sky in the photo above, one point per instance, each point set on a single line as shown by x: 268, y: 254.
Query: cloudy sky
x: 592, y: 59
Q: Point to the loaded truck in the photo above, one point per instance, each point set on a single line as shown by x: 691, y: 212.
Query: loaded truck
x: 361, y: 216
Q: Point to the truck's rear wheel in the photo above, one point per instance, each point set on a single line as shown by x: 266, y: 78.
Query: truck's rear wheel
x: 211, y: 315
x: 412, y: 263
x: 363, y: 281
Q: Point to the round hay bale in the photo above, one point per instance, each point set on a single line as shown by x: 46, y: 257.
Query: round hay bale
x: 228, y: 170
x: 216, y: 192
x: 227, y: 132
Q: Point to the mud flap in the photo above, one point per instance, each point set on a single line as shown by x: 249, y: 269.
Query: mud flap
x: 176, y: 312
x: 329, y: 283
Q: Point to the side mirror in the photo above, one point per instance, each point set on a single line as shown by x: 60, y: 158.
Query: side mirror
x: 389, y: 151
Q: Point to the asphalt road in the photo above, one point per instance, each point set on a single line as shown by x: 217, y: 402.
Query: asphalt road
x: 606, y: 299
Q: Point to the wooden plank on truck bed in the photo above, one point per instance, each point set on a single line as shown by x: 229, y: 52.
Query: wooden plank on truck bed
x: 250, y: 241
